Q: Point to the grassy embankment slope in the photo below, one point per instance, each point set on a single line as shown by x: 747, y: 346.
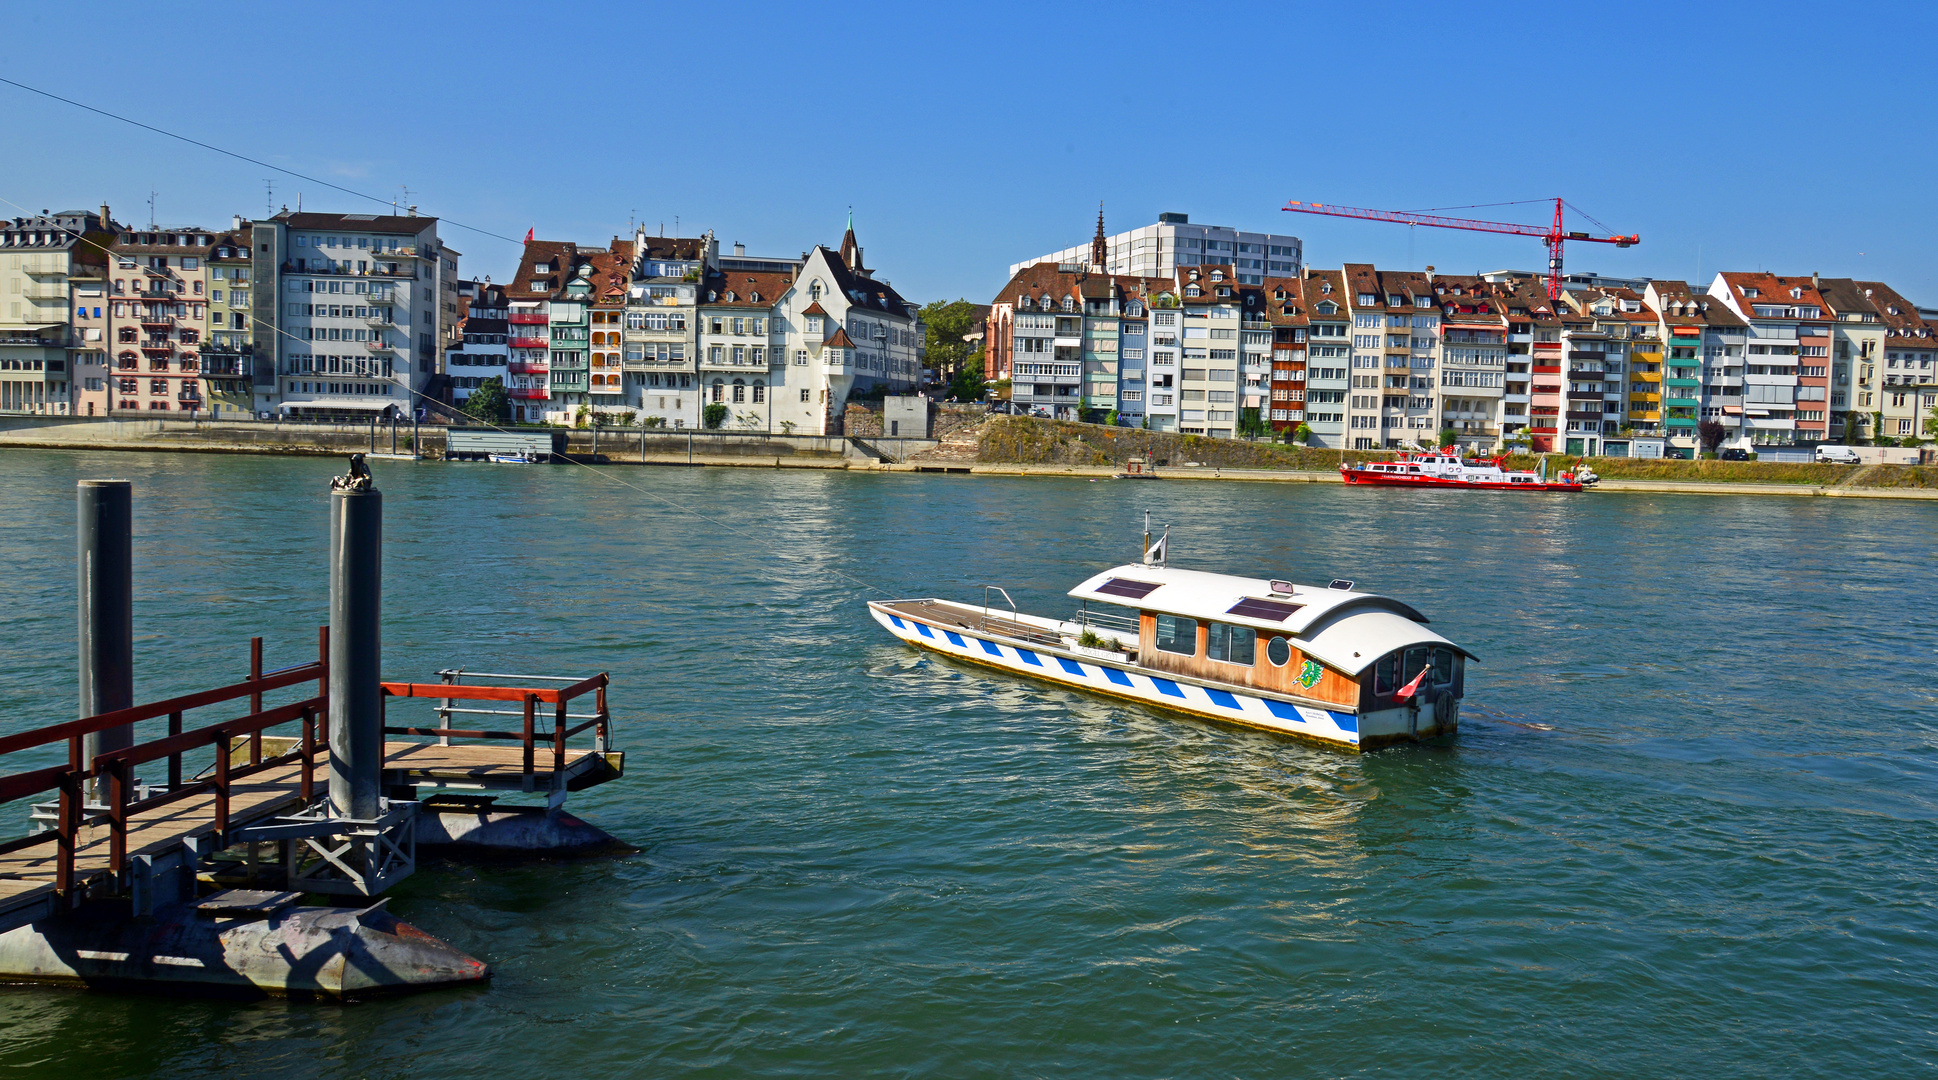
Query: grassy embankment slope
x: 1011, y: 440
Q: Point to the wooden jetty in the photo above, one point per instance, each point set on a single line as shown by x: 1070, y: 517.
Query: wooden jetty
x: 309, y: 779
x: 254, y: 775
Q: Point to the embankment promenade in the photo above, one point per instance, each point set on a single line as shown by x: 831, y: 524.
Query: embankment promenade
x: 1043, y: 449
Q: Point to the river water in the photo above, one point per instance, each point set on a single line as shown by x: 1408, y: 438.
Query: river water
x: 1687, y: 827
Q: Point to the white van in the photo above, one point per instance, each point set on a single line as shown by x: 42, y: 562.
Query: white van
x: 1838, y: 455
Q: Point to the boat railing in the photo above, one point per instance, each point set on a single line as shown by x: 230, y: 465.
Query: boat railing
x: 1123, y: 624
x: 1012, y: 604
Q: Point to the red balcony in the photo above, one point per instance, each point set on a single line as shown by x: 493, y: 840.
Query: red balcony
x: 529, y: 367
x: 529, y: 343
x: 538, y: 393
x: 527, y: 318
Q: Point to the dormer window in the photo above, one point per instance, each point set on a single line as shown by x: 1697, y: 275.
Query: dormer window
x: 754, y: 297
x: 1191, y: 290
x: 1367, y: 299
x: 1796, y: 293
x: 1748, y: 290
x: 1217, y: 275
x: 1423, y: 301
x: 542, y: 268
x: 1327, y: 307
x: 1325, y: 287
x: 1224, y: 290
x: 1395, y: 300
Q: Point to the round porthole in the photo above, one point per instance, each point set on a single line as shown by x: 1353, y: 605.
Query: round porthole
x: 1278, y: 651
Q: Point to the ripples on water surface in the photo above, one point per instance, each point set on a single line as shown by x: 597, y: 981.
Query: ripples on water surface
x: 1687, y: 827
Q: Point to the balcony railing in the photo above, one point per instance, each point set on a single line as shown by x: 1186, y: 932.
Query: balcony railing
x: 380, y: 346
x: 158, y: 320
x: 528, y: 367
x: 163, y: 347
x: 527, y: 318
x: 534, y: 393
x: 529, y: 343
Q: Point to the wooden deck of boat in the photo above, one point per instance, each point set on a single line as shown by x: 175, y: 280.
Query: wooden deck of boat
x: 27, y: 874
x: 972, y: 619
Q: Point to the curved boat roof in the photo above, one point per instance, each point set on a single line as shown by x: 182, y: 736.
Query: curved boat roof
x: 1343, y: 627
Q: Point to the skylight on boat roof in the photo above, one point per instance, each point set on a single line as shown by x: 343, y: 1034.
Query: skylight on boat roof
x: 1135, y: 590
x: 1270, y: 610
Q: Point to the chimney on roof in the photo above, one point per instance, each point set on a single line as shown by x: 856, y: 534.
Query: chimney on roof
x: 739, y: 248
x: 413, y: 210
x: 104, y: 215
x: 1815, y: 281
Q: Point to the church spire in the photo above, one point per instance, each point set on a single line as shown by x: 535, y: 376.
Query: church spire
x: 850, y: 249
x: 1100, y: 248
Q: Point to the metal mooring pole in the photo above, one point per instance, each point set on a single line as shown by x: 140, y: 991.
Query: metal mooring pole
x: 106, y: 561
x: 356, y: 652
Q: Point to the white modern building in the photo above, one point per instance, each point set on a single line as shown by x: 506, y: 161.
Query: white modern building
x: 349, y: 306
x: 1158, y: 250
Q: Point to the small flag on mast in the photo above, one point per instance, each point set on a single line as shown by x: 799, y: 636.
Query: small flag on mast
x: 530, y: 233
x: 1155, y: 556
x: 1413, y: 687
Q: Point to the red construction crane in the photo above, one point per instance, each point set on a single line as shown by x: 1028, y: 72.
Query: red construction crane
x: 1553, y: 236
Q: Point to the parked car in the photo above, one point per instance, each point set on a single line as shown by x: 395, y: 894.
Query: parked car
x: 1734, y: 453
x: 1677, y: 452
x: 1838, y: 455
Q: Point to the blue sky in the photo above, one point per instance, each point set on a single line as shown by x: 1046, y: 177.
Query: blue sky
x: 1788, y: 137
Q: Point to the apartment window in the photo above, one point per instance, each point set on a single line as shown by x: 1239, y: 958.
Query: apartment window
x: 804, y: 397
x: 714, y: 353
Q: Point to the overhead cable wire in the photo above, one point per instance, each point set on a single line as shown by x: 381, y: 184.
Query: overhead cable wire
x: 240, y: 157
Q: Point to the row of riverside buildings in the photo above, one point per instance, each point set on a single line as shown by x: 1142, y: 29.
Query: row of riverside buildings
x: 342, y: 316
x: 300, y: 314
x: 656, y: 330
x: 1365, y: 358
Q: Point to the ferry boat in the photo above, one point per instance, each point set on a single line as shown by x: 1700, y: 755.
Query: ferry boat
x: 1334, y: 665
x: 1446, y: 469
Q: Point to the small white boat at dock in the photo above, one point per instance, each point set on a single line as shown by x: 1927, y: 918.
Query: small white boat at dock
x: 1332, y: 664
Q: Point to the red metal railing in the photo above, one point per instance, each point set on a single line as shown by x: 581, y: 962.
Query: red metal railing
x: 527, y: 318
x: 529, y: 343
x: 116, y: 767
x: 529, y: 698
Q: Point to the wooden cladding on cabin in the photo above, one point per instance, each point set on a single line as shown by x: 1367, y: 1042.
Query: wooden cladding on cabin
x: 1262, y: 674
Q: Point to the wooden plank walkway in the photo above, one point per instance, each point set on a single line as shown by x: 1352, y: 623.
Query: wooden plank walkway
x: 27, y: 875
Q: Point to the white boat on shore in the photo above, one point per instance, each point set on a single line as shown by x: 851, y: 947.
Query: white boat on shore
x: 1350, y: 669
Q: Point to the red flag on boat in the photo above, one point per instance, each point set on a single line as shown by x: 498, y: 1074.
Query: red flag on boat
x: 529, y: 233
x: 1413, y: 687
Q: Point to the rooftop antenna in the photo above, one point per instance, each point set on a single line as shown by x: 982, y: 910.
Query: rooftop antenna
x: 406, y: 190
x: 151, y: 210
x: 268, y: 197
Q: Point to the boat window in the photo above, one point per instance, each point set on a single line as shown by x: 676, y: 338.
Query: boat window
x: 1413, y: 664
x: 1412, y: 468
x: 1176, y: 634
x: 1278, y: 651
x: 1389, y: 666
x: 1136, y: 590
x: 1271, y: 610
x: 1232, y: 644
x: 1443, y: 667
